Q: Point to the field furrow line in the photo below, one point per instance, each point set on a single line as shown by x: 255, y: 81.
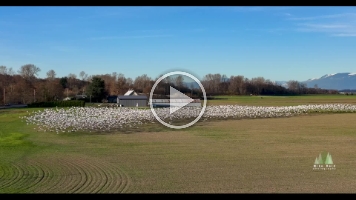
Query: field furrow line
x: 48, y: 178
x: 17, y: 175
x: 106, y: 180
x: 100, y: 177
x: 119, y: 181
x: 125, y: 180
x: 30, y: 173
x: 2, y: 172
x: 35, y: 175
x: 68, y: 175
x: 83, y: 178
x: 90, y: 178
x: 65, y: 177
x: 74, y: 178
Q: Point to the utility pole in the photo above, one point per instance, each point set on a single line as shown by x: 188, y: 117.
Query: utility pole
x: 4, y: 97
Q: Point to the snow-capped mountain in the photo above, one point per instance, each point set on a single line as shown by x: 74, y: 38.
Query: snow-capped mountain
x: 337, y: 81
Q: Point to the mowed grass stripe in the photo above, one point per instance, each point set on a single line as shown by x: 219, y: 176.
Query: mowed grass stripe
x: 124, y: 183
x: 97, y: 179
x: 262, y: 100
x: 48, y: 177
x: 114, y: 181
x: 34, y: 175
x: 87, y: 176
x: 8, y: 175
x: 120, y: 180
x: 81, y: 176
x: 66, y: 177
x: 16, y: 174
x: 102, y: 169
x: 28, y: 174
x: 20, y: 180
x: 117, y: 180
x: 2, y: 172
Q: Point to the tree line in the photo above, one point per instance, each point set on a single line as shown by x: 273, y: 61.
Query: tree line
x: 24, y: 86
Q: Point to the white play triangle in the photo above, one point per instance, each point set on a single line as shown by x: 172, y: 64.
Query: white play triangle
x: 177, y: 100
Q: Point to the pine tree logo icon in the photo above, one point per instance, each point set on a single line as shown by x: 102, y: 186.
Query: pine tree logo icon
x: 324, y: 162
x: 329, y: 160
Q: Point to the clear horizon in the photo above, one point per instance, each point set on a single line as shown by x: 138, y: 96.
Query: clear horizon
x: 277, y: 43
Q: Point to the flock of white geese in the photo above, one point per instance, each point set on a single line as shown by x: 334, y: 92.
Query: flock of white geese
x: 106, y: 119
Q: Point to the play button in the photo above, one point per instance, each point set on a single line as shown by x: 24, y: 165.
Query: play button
x: 177, y: 100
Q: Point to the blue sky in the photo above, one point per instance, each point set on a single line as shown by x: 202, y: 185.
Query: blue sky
x: 277, y: 43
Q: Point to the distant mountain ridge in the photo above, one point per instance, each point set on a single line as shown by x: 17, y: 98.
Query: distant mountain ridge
x: 337, y: 81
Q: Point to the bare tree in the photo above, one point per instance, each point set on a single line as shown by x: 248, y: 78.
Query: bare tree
x: 23, y: 92
x: 142, y: 83
x: 10, y: 71
x: 241, y: 85
x: 258, y: 84
x: 302, y: 88
x: 233, y: 86
x: 6, y: 83
x: 3, y: 83
x: 114, y: 75
x: 179, y: 81
x: 129, y: 82
x: 51, y: 74
x: 83, y: 75
x: 237, y: 85
x: 207, y: 82
x: 50, y: 89
x: 110, y: 83
x: 29, y: 71
x: 71, y: 81
x: 224, y: 84
x: 72, y: 76
x: 3, y: 70
x: 293, y: 85
x: 211, y: 83
x: 121, y: 85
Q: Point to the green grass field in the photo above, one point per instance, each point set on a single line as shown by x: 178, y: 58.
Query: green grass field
x: 274, y: 155
x: 282, y: 100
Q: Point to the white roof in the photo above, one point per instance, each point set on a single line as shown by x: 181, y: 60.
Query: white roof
x: 129, y: 92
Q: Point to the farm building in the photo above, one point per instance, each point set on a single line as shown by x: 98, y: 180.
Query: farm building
x: 132, y: 100
x: 113, y: 98
x: 171, y: 102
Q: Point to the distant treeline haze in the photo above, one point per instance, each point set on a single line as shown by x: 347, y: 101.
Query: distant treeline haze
x: 23, y: 86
